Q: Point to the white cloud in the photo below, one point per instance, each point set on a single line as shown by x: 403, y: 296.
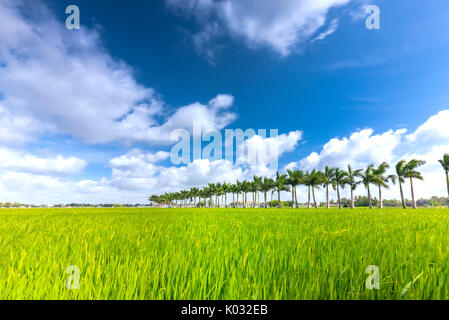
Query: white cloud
x: 17, y: 160
x: 279, y: 25
x: 332, y: 28
x: 56, y: 81
x: 434, y: 130
x: 360, y: 149
x: 213, y: 116
x: 261, y: 151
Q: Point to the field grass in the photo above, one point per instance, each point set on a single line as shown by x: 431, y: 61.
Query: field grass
x: 224, y: 254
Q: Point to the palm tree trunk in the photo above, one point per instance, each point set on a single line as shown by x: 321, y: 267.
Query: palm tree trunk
x: 265, y: 197
x: 279, y: 198
x: 413, y: 193
x: 293, y: 196
x: 308, y: 200
x: 244, y: 199
x: 352, y: 199
x: 447, y: 182
x: 327, y: 197
x: 314, y: 200
x: 226, y: 200
x: 381, y: 205
x: 338, y: 196
x: 369, y: 198
x: 296, y: 199
x: 404, y: 205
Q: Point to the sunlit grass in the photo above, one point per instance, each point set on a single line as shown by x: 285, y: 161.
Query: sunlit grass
x: 224, y: 254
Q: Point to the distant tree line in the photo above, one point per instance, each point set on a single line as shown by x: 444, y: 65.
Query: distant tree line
x: 216, y: 194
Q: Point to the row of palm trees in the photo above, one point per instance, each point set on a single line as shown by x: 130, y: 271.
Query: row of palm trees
x: 216, y: 194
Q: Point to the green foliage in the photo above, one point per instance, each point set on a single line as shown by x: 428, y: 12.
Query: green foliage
x: 363, y: 201
x: 223, y: 253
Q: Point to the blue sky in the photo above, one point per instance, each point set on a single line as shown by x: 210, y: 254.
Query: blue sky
x: 159, y: 56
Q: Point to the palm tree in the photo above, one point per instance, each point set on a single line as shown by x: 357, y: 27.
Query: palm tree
x: 352, y: 175
x: 207, y: 191
x: 381, y: 181
x: 213, y: 192
x: 295, y: 177
x: 411, y: 172
x: 306, y: 181
x: 400, y: 174
x: 280, y: 185
x: 226, y: 189
x: 195, y: 193
x: 257, y: 181
x: 313, y: 180
x: 218, y: 193
x: 255, y: 186
x: 239, y: 190
x: 445, y: 164
x: 246, y: 187
x: 328, y: 177
x: 339, y: 180
x: 368, y: 178
x: 266, y: 185
x: 233, y: 189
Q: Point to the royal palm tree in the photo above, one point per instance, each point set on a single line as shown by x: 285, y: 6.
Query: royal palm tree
x: 367, y: 179
x: 246, y: 187
x: 257, y: 181
x: 339, y: 180
x: 218, y: 193
x: 233, y: 189
x: 266, y: 185
x: 306, y: 181
x: 280, y: 185
x: 381, y: 181
x: 411, y: 172
x: 400, y: 175
x: 295, y: 178
x: 328, y: 177
x: 226, y: 189
x: 195, y: 193
x: 352, y: 181
x: 239, y: 186
x: 314, y: 180
x: 445, y: 164
x: 207, y: 191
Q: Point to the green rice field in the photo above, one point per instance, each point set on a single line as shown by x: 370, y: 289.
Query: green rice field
x: 223, y: 253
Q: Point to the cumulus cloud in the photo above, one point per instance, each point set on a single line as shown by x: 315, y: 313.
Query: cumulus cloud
x: 56, y: 81
x: 261, y: 151
x: 19, y: 161
x: 140, y: 171
x: 279, y: 25
x: 434, y: 130
x: 360, y: 149
x: 213, y: 116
